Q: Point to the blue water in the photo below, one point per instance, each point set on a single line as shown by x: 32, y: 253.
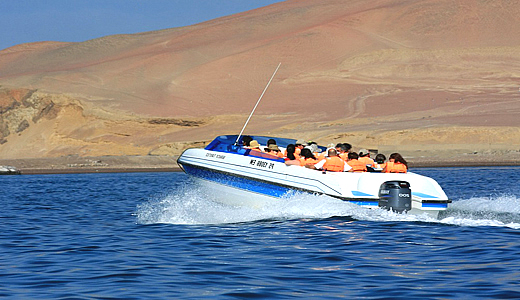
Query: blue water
x: 155, y: 236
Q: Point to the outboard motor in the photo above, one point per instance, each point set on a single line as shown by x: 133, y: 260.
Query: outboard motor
x: 395, y: 196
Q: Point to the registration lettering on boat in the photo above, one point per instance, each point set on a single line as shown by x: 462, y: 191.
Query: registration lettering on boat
x: 262, y: 164
x: 215, y: 155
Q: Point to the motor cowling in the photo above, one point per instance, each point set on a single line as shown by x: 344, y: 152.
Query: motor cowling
x: 395, y: 196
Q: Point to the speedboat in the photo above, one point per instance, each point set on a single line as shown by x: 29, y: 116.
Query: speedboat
x: 252, y: 178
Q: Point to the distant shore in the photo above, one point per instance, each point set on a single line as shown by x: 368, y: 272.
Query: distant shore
x: 127, y: 164
x: 95, y: 170
x: 101, y: 164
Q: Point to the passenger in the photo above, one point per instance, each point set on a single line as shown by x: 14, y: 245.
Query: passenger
x: 269, y: 142
x: 307, y: 157
x: 300, y: 144
x: 274, y: 150
x: 379, y: 162
x: 332, y: 163
x: 291, y: 158
x: 254, y: 146
x: 323, y: 154
x: 246, y: 140
x: 342, y: 151
x: 364, y: 157
x: 313, y: 147
x: 355, y: 164
x: 348, y: 147
x: 396, y: 164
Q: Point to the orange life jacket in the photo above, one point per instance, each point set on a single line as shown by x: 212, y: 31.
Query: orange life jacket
x: 320, y: 156
x: 296, y: 152
x: 272, y: 154
x: 277, y: 153
x: 309, y: 161
x: 395, y: 167
x: 334, y: 164
x: 344, y: 156
x: 367, y: 161
x: 357, y: 166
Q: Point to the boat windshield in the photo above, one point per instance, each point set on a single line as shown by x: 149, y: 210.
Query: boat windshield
x: 229, y: 140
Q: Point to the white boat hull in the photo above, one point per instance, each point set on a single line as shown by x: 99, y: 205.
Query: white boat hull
x: 246, y: 179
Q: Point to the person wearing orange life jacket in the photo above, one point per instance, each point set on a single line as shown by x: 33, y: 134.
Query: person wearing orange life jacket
x: 355, y: 164
x: 273, y: 149
x: 364, y: 157
x: 291, y: 158
x: 255, y: 146
x: 269, y: 142
x: 298, y: 146
x: 320, y: 156
x: 379, y: 162
x: 396, y: 164
x: 307, y: 157
x: 323, y: 154
x: 332, y: 163
x: 315, y: 150
x: 342, y: 151
x: 348, y: 147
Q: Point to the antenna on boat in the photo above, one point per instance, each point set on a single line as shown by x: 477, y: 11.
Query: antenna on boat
x: 250, y: 115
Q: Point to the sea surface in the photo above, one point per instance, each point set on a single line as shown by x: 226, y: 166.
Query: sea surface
x: 159, y: 236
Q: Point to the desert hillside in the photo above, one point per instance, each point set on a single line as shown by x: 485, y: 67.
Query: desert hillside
x: 423, y: 77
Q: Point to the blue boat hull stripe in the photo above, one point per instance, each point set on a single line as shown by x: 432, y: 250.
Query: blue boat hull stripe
x: 256, y: 185
x: 233, y: 167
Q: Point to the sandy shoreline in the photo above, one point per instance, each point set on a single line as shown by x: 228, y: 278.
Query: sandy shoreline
x: 96, y: 170
x: 126, y: 164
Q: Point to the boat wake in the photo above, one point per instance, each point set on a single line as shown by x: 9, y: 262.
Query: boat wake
x: 191, y: 205
x: 500, y: 210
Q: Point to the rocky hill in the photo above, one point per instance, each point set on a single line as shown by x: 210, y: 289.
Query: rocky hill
x: 418, y: 76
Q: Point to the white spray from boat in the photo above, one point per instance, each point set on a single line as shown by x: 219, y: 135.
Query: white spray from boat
x: 193, y: 204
